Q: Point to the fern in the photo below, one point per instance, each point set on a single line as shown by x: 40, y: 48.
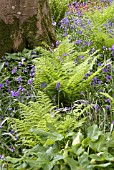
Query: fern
x: 58, y: 9
x: 99, y: 19
x: 43, y: 116
x: 60, y: 66
x: 36, y: 115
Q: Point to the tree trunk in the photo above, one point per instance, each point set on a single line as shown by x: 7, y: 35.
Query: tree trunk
x: 24, y: 24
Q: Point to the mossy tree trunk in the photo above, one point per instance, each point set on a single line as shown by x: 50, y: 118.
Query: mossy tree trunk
x: 24, y: 24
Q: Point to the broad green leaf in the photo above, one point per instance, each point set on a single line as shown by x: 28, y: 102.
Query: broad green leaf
x: 72, y: 163
x: 39, y: 132
x: 34, y: 164
x: 102, y: 156
x: 96, y: 157
x: 43, y: 158
x: 1, y: 66
x: 99, y: 145
x: 99, y: 165
x: 93, y: 132
x: 47, y: 135
x: 55, y: 136
x: 83, y: 160
x: 38, y: 148
x: 78, y: 151
x: 78, y: 139
x: 86, y: 142
x: 110, y: 143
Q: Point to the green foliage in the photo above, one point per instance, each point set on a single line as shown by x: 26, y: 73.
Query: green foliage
x: 10, y: 83
x: 80, y: 151
x: 94, y: 28
x: 59, y: 66
x: 101, y: 32
x: 58, y: 9
x: 35, y: 114
x: 39, y: 115
x: 44, y: 134
x: 112, y: 106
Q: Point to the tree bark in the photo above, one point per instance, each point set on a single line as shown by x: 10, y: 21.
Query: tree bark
x: 24, y: 24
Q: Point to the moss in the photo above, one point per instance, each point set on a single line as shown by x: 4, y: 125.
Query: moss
x: 29, y: 31
x: 6, y: 35
x: 16, y: 36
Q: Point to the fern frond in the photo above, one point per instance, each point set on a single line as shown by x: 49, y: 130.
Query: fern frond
x: 100, y: 36
x: 102, y: 16
x: 58, y: 9
x: 36, y: 115
x: 52, y: 70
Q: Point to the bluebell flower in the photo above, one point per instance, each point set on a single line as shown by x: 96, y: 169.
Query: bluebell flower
x: 108, y: 77
x: 14, y: 93
x: 20, y: 89
x: 30, y: 81
x: 109, y: 66
x: 1, y: 156
x: 7, y: 63
x: 108, y: 100
x: 65, y: 54
x: 112, y: 48
x: 87, y: 75
x: 82, y: 93
x: 99, y: 64
x: 108, y: 107
x: 76, y: 61
x: 12, y: 131
x: 78, y: 42
x: 1, y: 86
x: 86, y: 42
x: 104, y: 47
x: 92, y: 51
x: 95, y: 79
x: 65, y: 20
x: 8, y: 90
x: 32, y: 74
x: 33, y: 52
x: 13, y: 149
x: 57, y: 43
x: 82, y: 57
x: 14, y: 70
x: 42, y: 85
x: 104, y: 70
x: 96, y: 106
x: 90, y: 72
x: 58, y: 86
x: 19, y: 79
x: 19, y: 64
x: 25, y: 70
x: 7, y: 82
x: 10, y: 108
x: 99, y: 82
x: 54, y: 24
